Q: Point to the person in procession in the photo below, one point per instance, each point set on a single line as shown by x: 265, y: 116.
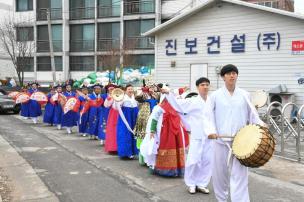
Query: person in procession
x: 24, y: 112
x: 228, y: 110
x: 34, y: 106
x: 147, y: 100
x: 95, y: 103
x: 59, y: 100
x: 71, y: 117
x: 111, y: 126
x: 128, y: 110
x: 49, y: 110
x: 83, y: 109
x: 166, y: 140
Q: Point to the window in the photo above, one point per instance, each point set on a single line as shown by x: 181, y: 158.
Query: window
x: 271, y: 4
x: 43, y: 38
x: 44, y: 63
x: 139, y: 6
x: 133, y: 31
x: 54, y: 6
x: 82, y: 63
x: 108, y: 8
x: 82, y: 38
x: 25, y: 34
x: 82, y: 9
x: 108, y: 36
x: 26, y: 63
x: 24, y: 5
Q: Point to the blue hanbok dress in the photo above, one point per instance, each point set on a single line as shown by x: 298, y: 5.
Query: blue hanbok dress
x: 83, y: 120
x: 34, y: 106
x: 103, y: 118
x: 71, y: 118
x: 49, y: 110
x: 25, y: 111
x: 126, y: 142
x: 58, y: 112
x: 94, y: 114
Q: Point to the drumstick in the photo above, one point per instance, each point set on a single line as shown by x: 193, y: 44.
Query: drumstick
x: 225, y: 136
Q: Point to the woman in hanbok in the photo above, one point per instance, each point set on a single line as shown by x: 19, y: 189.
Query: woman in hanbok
x: 70, y: 118
x: 49, y: 109
x: 147, y: 100
x: 111, y: 126
x: 128, y: 110
x: 83, y: 109
x: 25, y: 113
x: 59, y: 100
x: 95, y: 104
x: 34, y: 106
x: 166, y: 153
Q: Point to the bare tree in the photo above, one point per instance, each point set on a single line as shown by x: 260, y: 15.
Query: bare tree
x: 111, y: 57
x: 17, y: 45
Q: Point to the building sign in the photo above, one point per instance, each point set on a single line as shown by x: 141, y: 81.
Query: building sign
x: 265, y: 42
x: 297, y: 47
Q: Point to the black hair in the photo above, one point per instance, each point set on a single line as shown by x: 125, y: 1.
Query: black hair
x: 202, y: 80
x: 128, y: 85
x: 229, y: 68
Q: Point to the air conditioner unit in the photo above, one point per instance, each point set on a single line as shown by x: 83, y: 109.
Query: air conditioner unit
x: 282, y: 98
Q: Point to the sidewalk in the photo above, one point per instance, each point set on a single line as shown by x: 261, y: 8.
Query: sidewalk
x: 26, y: 185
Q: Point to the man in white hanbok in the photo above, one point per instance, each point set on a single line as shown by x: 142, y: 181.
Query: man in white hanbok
x: 198, y: 167
x: 227, y: 110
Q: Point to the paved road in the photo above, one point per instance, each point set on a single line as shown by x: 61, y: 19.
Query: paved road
x: 77, y: 169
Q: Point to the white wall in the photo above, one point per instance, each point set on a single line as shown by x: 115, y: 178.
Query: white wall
x: 258, y: 70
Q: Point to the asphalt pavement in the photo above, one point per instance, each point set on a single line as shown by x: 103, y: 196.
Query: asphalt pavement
x: 74, y: 168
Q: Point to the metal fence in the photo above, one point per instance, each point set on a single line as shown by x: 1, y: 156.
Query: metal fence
x: 44, y: 46
x: 108, y: 11
x: 139, y: 7
x: 287, y: 129
x: 55, y: 14
x: 82, y: 45
x: 139, y: 42
x: 82, y: 13
x: 105, y: 44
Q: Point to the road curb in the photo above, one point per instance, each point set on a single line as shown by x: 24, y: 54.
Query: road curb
x: 27, y: 186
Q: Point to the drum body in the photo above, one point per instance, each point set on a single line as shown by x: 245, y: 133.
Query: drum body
x: 253, y: 145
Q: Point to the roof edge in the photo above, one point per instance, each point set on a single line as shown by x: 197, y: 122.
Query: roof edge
x: 181, y: 17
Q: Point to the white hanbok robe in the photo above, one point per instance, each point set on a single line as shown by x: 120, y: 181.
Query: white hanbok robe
x: 226, y: 114
x: 149, y: 146
x: 198, y: 168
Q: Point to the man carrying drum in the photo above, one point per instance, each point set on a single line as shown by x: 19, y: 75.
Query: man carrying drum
x: 227, y: 111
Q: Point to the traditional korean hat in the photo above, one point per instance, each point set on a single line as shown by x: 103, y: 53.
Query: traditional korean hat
x: 97, y: 85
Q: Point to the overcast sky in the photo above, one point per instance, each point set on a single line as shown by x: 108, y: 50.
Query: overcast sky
x: 299, y: 5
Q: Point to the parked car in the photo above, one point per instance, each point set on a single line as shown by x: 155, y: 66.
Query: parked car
x: 7, y: 104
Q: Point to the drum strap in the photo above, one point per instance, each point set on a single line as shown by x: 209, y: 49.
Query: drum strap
x: 229, y: 158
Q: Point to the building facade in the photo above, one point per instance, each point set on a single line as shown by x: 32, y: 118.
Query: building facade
x: 92, y: 35
x: 287, y: 5
x: 6, y: 68
x: 267, y: 45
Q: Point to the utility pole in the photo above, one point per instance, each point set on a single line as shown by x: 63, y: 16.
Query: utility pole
x: 51, y: 46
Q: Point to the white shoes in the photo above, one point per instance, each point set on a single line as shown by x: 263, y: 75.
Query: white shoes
x: 192, y: 190
x: 203, y: 190
x: 59, y: 127
x: 35, y: 120
x: 69, y: 130
x: 101, y: 142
